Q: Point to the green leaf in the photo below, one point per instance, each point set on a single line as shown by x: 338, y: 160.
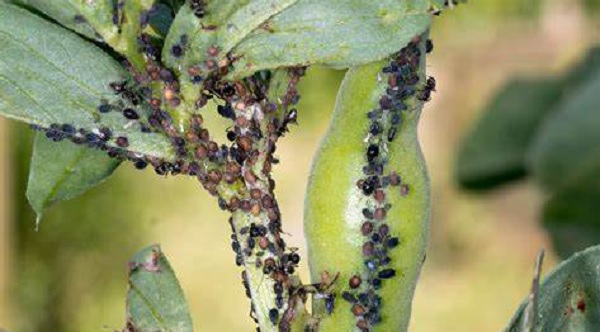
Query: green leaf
x: 57, y: 77
x: 336, y: 33
x: 267, y: 34
x: 495, y: 150
x: 64, y: 12
x: 62, y: 170
x: 568, y: 144
x: 95, y: 19
x: 569, y: 297
x: 155, y: 301
x: 570, y: 215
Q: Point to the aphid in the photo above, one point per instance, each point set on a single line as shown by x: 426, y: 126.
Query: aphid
x: 391, y: 135
x: 118, y: 87
x: 355, y: 281
x: 274, y: 316
x: 386, y: 274
x: 376, y: 283
x: 358, y: 310
x: 291, y: 117
x: 198, y: 8
x: 121, y: 141
x: 130, y: 114
x: 375, y: 128
x: 366, y: 228
x: 329, y: 303
x: 67, y: 129
x: 372, y: 152
x: 349, y: 297
x: 140, y: 164
x: 177, y: 50
x: 226, y: 111
x: 392, y: 242
x: 428, y: 46
x: 368, y: 187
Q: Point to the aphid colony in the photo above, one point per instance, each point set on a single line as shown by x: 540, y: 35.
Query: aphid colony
x: 384, y: 125
x: 237, y: 173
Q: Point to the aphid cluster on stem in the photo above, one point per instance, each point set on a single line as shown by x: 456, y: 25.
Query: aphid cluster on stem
x: 238, y: 172
x: 403, y: 81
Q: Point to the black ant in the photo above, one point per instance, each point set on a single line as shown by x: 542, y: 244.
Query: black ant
x: 425, y: 94
x: 291, y: 117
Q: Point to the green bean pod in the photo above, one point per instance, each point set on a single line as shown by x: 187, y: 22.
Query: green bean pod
x: 367, y: 202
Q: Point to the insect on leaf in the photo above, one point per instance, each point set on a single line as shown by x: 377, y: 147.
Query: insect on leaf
x: 56, y: 77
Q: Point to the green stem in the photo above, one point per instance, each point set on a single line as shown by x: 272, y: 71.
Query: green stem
x: 334, y: 214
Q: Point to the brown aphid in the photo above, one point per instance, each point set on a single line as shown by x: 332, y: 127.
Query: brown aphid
x: 263, y: 242
x: 241, y: 121
x: 214, y: 176
x: 194, y: 71
x: 192, y: 137
x: 169, y: 93
x: 213, y: 51
x: 255, y: 193
x: 210, y: 64
x: 267, y: 202
x: 201, y: 152
x: 392, y: 81
x: 240, y: 88
x: 379, y: 196
x: 273, y: 216
x: 267, y: 167
x: 379, y: 214
x: 233, y: 168
x: 255, y: 209
x: 250, y: 177
x: 245, y: 143
x: 366, y: 228
x: 362, y: 325
x: 404, y: 190
x: 368, y: 249
x: 213, y: 147
x: 223, y: 63
x: 394, y: 179
x: 245, y: 205
x: 155, y: 103
x: 234, y: 203
x: 358, y: 310
x: 204, y: 134
x: 355, y: 281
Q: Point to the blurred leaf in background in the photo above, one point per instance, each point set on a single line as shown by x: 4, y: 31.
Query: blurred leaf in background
x: 549, y: 128
x: 71, y: 271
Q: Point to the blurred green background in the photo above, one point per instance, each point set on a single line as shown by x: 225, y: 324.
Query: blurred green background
x: 71, y: 274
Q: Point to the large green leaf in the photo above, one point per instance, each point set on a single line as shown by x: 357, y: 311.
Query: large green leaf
x: 57, y: 77
x: 495, y: 151
x: 568, y: 299
x: 155, y: 301
x: 336, y: 33
x: 268, y: 34
x: 571, y: 214
x: 96, y: 19
x: 568, y: 144
x: 63, y: 170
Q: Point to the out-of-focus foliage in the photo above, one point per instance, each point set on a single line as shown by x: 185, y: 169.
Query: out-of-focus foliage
x: 549, y: 128
x: 72, y: 269
x: 568, y: 299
